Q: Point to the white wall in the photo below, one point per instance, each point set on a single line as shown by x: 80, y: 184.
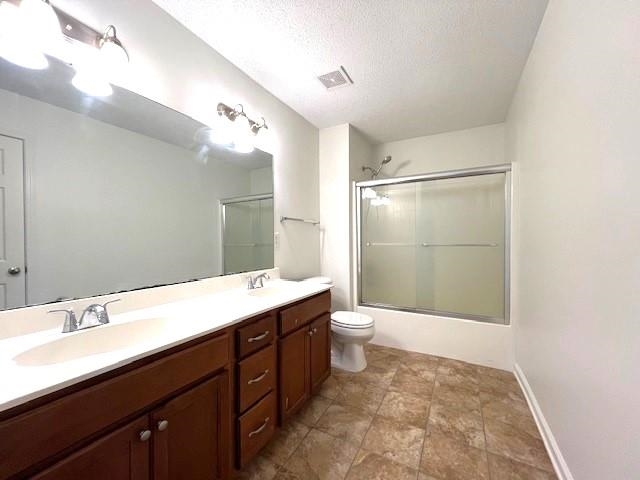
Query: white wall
x: 335, y: 213
x: 474, y: 147
x: 108, y: 209
x: 573, y: 134
x: 174, y: 67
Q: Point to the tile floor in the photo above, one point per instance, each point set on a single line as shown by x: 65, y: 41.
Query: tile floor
x: 409, y: 416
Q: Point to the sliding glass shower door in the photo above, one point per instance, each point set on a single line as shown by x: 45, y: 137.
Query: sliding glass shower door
x: 436, y: 244
x: 247, y: 242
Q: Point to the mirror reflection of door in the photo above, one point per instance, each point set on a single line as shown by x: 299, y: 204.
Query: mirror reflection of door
x: 247, y: 233
x: 12, y: 259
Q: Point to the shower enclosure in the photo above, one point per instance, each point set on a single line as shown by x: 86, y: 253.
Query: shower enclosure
x: 436, y: 243
x: 247, y: 233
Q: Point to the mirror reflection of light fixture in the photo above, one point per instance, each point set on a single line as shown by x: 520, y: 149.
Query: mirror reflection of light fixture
x: 240, y: 133
x: 369, y: 193
x: 380, y: 201
x: 26, y: 31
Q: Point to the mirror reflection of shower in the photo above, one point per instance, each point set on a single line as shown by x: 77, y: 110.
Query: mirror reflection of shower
x: 369, y: 193
x: 376, y: 172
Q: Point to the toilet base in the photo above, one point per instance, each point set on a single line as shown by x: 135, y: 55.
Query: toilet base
x: 349, y: 357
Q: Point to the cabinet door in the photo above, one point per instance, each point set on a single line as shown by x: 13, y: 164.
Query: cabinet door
x: 320, y: 351
x: 189, y: 442
x: 123, y: 454
x: 294, y: 372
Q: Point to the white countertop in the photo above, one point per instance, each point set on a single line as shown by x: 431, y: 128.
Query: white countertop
x: 181, y: 321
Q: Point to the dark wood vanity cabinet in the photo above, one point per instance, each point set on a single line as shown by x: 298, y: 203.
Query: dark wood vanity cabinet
x: 179, y: 440
x: 304, y: 351
x: 118, y: 455
x: 192, y: 412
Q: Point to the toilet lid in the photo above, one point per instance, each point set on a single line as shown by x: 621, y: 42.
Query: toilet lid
x: 351, y: 320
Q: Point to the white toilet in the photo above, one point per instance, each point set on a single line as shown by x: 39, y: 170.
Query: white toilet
x: 350, y: 331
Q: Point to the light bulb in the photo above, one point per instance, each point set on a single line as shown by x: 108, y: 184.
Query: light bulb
x: 369, y: 193
x: 243, y: 139
x: 16, y: 45
x: 42, y: 22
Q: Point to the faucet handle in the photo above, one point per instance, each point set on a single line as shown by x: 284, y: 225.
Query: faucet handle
x: 70, y: 320
x: 102, y: 314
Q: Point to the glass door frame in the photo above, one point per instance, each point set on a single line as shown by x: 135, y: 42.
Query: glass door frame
x: 468, y: 172
x: 228, y: 201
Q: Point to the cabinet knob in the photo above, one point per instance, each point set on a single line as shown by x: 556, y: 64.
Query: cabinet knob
x: 145, y: 435
x: 163, y: 425
x: 310, y: 332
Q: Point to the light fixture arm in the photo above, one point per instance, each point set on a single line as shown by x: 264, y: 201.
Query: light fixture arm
x: 238, y: 111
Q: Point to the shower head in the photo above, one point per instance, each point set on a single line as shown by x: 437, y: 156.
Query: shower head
x: 376, y: 172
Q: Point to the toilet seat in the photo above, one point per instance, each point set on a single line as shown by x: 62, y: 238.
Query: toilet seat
x: 351, y: 320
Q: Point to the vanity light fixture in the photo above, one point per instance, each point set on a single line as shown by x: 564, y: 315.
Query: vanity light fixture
x: 31, y: 28
x: 239, y: 134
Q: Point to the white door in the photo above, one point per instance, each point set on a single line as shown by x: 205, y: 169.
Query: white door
x: 12, y: 262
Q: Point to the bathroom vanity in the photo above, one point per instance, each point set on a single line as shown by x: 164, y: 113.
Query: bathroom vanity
x: 198, y: 407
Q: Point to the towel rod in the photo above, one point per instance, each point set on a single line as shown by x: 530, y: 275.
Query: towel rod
x: 303, y: 220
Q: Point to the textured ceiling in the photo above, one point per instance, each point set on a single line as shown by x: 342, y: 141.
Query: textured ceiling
x: 419, y: 66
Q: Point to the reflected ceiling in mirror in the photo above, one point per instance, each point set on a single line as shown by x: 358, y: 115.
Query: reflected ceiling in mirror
x: 103, y: 195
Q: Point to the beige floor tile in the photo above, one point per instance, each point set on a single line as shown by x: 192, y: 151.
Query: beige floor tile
x: 500, y: 386
x: 321, y: 456
x: 506, y: 469
x: 345, y: 422
x: 455, y: 396
x: 508, y: 441
x: 399, y: 442
x: 260, y: 468
x: 371, y: 466
x: 458, y: 379
x: 361, y: 395
x: 330, y: 388
x: 498, y: 412
x: 507, y: 402
x: 379, y: 376
x: 313, y: 410
x: 462, y: 424
x: 406, y: 381
x: 405, y: 408
x: 285, y: 441
x: 424, y: 476
x: 425, y: 367
x: 494, y: 372
x: 448, y: 458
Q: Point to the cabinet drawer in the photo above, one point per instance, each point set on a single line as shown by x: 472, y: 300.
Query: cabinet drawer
x: 256, y: 377
x: 302, y: 313
x: 256, y: 427
x: 256, y: 335
x: 44, y: 431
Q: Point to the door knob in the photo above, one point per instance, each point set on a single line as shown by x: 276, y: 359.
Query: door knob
x: 14, y: 271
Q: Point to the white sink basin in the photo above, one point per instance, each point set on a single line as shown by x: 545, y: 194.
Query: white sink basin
x: 93, y: 341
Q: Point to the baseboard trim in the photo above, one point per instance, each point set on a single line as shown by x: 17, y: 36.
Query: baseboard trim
x: 559, y: 464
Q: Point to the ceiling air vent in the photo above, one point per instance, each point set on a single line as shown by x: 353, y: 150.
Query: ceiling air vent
x: 338, y: 78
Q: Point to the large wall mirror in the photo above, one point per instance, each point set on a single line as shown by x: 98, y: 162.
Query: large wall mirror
x: 102, y: 195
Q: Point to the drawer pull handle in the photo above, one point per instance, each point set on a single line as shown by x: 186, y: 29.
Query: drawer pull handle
x: 258, y: 338
x: 259, y: 377
x: 145, y: 435
x: 162, y: 425
x: 259, y: 430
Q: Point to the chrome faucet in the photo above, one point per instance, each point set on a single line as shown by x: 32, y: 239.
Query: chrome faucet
x: 257, y: 281
x: 92, y: 316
